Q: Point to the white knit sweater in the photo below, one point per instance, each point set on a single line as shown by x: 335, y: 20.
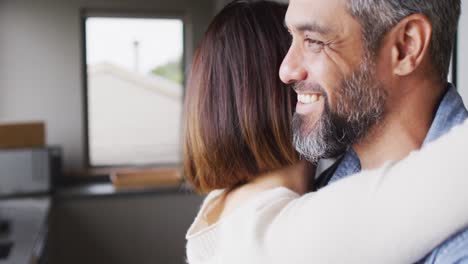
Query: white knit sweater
x: 392, y: 215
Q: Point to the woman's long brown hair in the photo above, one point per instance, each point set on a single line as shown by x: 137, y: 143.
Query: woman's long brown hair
x: 237, y: 111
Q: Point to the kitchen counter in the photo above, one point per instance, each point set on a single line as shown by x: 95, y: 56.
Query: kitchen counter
x: 24, y: 228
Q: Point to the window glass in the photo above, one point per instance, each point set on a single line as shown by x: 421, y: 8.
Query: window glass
x: 134, y: 88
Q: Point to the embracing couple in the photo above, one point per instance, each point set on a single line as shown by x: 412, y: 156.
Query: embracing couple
x: 274, y: 90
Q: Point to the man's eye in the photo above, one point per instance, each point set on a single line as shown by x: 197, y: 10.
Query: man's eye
x: 313, y: 44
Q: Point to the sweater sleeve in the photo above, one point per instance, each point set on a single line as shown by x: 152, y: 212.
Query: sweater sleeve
x: 396, y: 214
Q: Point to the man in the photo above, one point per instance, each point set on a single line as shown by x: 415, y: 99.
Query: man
x: 371, y: 82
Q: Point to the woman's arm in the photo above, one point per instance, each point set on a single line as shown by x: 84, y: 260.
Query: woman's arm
x: 399, y: 211
x: 392, y: 215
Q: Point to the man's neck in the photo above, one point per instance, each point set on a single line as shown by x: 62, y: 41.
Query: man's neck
x: 404, y: 127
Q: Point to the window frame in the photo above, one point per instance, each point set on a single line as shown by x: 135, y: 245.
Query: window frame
x: 85, y: 13
x: 455, y: 62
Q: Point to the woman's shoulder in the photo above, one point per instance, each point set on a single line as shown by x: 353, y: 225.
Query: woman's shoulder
x: 216, y: 208
x: 200, y: 222
x: 204, y: 238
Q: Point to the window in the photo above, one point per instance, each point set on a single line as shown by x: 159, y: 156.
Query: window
x: 462, y: 54
x: 134, y: 90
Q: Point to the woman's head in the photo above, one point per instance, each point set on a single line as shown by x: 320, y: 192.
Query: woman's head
x: 237, y: 111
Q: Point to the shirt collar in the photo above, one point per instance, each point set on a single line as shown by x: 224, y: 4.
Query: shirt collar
x: 450, y: 113
x: 350, y: 164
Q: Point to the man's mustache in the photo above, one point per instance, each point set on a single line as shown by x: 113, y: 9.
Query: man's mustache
x: 304, y: 87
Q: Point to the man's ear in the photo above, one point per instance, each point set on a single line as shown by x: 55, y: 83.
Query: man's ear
x: 411, y: 40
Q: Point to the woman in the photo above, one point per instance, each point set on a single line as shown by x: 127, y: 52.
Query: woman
x: 234, y: 84
x: 238, y: 148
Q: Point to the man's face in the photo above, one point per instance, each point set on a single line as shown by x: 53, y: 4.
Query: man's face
x: 339, y: 96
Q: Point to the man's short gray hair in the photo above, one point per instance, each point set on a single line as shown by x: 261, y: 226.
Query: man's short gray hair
x: 377, y: 17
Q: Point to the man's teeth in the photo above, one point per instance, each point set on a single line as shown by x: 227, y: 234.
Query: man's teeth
x: 308, y: 98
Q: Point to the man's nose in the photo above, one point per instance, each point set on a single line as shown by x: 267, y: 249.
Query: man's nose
x: 292, y: 69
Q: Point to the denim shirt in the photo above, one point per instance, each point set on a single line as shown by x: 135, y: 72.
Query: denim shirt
x: 450, y: 113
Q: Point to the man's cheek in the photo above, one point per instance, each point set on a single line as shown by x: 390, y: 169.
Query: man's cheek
x: 328, y: 75
x: 337, y: 66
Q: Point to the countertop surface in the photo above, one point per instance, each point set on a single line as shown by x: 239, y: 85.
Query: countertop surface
x: 27, y: 218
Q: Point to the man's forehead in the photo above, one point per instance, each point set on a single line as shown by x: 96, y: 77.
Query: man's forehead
x: 314, y: 12
x: 318, y: 15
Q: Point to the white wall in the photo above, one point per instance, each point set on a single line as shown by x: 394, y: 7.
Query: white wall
x: 462, y: 77
x: 41, y: 60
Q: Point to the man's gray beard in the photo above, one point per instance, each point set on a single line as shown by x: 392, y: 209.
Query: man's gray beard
x: 359, y: 105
